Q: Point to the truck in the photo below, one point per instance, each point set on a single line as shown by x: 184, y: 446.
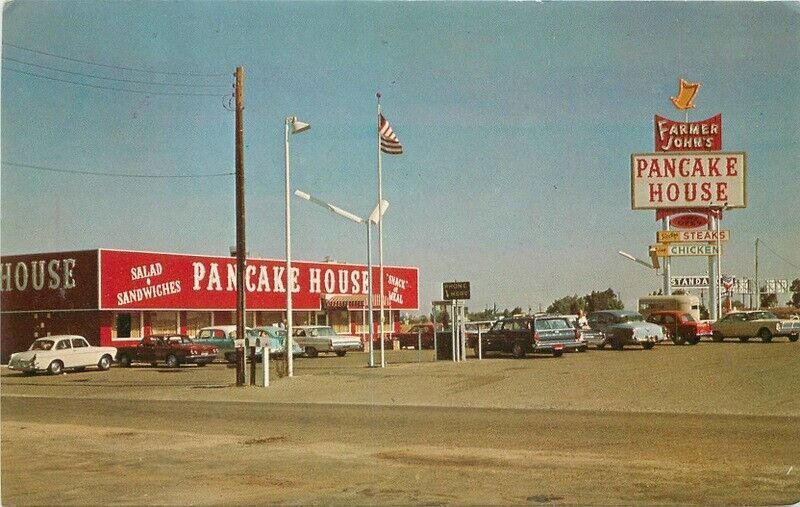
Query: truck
x: 687, y: 303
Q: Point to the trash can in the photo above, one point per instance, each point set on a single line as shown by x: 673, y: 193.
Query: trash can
x: 444, y: 346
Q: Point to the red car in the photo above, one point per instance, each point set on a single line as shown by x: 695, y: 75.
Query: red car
x: 411, y: 338
x: 170, y: 349
x: 680, y: 327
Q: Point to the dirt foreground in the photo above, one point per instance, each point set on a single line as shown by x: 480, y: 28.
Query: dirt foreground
x: 712, y: 424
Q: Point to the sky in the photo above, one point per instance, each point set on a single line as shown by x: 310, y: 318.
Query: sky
x: 518, y: 121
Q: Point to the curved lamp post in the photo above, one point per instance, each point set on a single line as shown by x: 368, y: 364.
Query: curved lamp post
x: 373, y: 219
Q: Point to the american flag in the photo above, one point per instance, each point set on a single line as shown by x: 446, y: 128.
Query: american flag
x: 390, y: 144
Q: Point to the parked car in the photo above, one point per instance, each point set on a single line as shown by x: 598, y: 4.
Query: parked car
x: 54, y: 354
x: 521, y: 335
x: 170, y: 349
x: 223, y: 338
x: 680, y: 326
x: 747, y: 324
x: 625, y: 327
x: 316, y: 339
x: 275, y: 340
x: 411, y: 337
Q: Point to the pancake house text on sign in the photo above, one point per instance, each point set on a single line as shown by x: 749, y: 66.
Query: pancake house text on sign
x: 688, y: 180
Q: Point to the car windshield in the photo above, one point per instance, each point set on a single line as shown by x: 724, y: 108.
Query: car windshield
x: 42, y: 345
x: 542, y: 324
x: 179, y: 339
x: 322, y: 331
x: 630, y: 317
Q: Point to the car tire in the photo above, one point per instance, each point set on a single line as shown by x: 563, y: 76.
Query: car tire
x: 744, y: 339
x: 583, y: 348
x: 558, y: 353
x: 693, y: 340
x: 765, y: 335
x: 518, y: 351
x: 647, y: 345
x: 601, y: 345
x: 617, y: 344
x: 678, y: 339
x: 794, y: 337
x: 341, y: 353
x: 104, y: 363
x: 172, y: 361
x: 717, y: 336
x: 56, y: 368
x: 201, y: 364
x: 125, y: 361
x: 311, y: 352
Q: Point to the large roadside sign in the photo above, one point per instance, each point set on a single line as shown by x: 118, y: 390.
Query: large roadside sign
x: 691, y: 236
x: 688, y: 180
x: 455, y: 290
x: 684, y: 249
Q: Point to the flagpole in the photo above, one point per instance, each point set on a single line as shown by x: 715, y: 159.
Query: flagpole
x: 380, y: 232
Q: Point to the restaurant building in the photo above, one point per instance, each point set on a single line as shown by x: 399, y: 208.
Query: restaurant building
x: 114, y: 297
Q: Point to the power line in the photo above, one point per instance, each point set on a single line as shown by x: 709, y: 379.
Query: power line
x: 112, y: 66
x: 113, y: 88
x: 779, y: 256
x: 118, y: 175
x: 108, y: 78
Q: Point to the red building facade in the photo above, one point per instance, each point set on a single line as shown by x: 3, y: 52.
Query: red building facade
x: 113, y: 297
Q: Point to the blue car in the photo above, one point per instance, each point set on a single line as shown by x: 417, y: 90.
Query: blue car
x: 277, y: 339
x: 625, y: 327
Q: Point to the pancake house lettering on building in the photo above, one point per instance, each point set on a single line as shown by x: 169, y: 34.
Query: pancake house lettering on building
x: 113, y: 297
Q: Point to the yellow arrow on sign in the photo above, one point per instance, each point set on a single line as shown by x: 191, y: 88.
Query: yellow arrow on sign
x: 659, y: 250
x: 668, y: 236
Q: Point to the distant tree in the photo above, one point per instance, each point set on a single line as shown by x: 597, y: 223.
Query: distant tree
x: 795, y: 289
x: 769, y: 300
x: 605, y: 300
x: 568, y: 305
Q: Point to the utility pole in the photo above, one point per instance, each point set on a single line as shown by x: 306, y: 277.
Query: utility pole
x: 241, y: 250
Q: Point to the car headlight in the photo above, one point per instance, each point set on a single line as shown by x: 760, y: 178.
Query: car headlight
x: 777, y: 326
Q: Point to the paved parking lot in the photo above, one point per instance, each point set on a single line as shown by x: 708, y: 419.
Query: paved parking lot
x: 713, y: 423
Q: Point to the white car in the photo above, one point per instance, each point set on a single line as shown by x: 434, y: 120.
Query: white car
x: 316, y: 339
x: 54, y: 354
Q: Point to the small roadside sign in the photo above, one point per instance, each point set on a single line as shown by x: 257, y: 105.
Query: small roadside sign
x: 455, y: 290
x: 684, y: 249
x: 691, y: 236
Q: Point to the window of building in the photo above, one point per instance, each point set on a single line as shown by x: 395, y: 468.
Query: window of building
x: 164, y: 322
x: 127, y: 325
x: 195, y: 321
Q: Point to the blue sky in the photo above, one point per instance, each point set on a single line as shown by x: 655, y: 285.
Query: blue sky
x: 517, y: 118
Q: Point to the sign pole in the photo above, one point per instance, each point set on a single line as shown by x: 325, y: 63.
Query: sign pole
x: 667, y: 262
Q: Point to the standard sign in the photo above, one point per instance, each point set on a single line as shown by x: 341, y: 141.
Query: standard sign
x: 689, y: 282
x: 684, y: 249
x: 690, y: 236
x: 688, y: 180
x: 455, y: 290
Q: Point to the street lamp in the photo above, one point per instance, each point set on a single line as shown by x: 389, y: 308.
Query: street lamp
x: 373, y: 219
x: 636, y: 259
x: 297, y: 127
